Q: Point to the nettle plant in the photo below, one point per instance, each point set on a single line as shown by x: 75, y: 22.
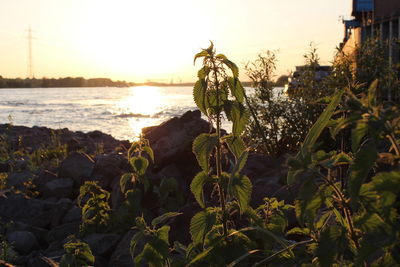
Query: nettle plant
x: 216, y: 94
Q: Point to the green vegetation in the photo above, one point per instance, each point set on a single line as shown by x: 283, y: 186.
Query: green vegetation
x: 341, y: 139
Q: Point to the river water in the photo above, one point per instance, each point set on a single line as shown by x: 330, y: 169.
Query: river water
x: 121, y: 112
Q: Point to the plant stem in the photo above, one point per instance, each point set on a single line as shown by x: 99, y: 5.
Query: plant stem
x: 218, y: 154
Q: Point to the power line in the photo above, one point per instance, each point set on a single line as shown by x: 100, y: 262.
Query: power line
x: 30, y: 58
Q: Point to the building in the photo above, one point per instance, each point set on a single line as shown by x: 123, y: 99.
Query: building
x: 374, y: 19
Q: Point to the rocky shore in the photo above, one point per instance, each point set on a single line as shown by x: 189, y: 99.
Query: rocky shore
x: 38, y: 202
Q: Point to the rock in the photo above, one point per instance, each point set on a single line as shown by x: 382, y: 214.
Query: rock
x: 62, y: 231
x: 74, y: 214
x: 40, y: 233
x: 109, y: 167
x: 35, y: 212
x: 121, y: 256
x: 23, y: 241
x: 180, y: 224
x: 101, y: 244
x: 18, y: 179
x: 76, y: 166
x: 4, y: 167
x: 264, y: 187
x: 42, y: 179
x: 59, y: 188
x: 172, y: 140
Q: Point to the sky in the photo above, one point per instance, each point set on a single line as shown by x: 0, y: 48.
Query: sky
x: 142, y: 40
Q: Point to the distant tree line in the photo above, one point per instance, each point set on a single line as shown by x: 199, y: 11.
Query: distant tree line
x: 61, y: 82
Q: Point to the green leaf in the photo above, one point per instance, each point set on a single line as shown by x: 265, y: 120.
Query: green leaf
x: 229, y: 64
x: 203, y: 72
x: 320, y: 124
x: 196, y: 186
x: 201, y: 224
x: 199, y: 95
x: 238, y: 115
x: 370, y: 223
x: 299, y: 231
x: 240, y: 188
x: 387, y: 181
x: 201, y: 54
x: 235, y: 145
x: 135, y: 239
x: 237, y: 89
x: 327, y: 245
x: 308, y: 202
x: 372, y: 94
x: 162, y: 218
x: 139, y: 165
x: 314, y: 133
x: 342, y: 158
x: 241, y: 161
x: 124, y: 181
x: 359, y: 170
x: 203, y: 145
x: 357, y: 135
x: 149, y: 152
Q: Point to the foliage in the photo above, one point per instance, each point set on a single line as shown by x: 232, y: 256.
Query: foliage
x: 346, y: 204
x: 95, y: 208
x: 280, y: 123
x: 78, y: 254
x: 155, y: 251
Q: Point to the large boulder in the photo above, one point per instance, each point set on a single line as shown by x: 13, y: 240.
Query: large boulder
x: 172, y: 140
x: 36, y: 212
x: 101, y: 244
x: 109, y: 168
x: 58, y: 188
x: 23, y: 241
x: 121, y: 256
x: 76, y: 166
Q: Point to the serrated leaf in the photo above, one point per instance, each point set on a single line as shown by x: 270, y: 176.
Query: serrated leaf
x: 235, y: 144
x: 203, y: 72
x: 164, y: 217
x: 342, y: 158
x: 387, y: 181
x: 229, y: 64
x: 238, y: 115
x: 241, y: 188
x: 327, y: 245
x: 125, y: 180
x: 370, y: 223
x: 359, y: 170
x: 199, y: 95
x: 196, y: 186
x: 201, y: 224
x: 149, y: 151
x: 203, y: 145
x: 298, y: 231
x: 237, y: 89
x: 139, y: 165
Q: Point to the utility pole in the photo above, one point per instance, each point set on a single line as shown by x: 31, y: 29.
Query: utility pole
x: 30, y: 60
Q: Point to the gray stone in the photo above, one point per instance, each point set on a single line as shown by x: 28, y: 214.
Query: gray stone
x: 74, y: 214
x: 101, y: 244
x: 172, y: 140
x: 59, y: 188
x: 23, y: 241
x: 121, y: 256
x: 62, y: 231
x: 107, y: 168
x: 76, y: 166
x: 17, y: 179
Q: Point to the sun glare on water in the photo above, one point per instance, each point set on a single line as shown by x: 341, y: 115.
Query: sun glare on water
x: 141, y: 107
